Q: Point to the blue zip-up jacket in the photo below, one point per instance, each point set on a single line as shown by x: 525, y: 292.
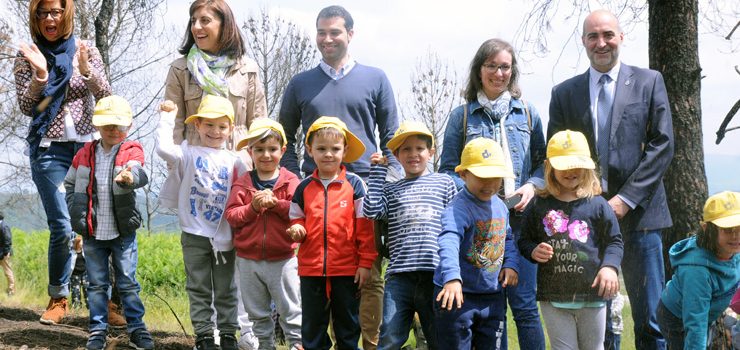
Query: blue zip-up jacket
x: 700, y: 289
x: 526, y: 146
x: 475, y: 244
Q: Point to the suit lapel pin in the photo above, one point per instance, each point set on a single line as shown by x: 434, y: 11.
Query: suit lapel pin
x: 627, y: 82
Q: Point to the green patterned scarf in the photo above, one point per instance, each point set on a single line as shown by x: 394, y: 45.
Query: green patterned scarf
x: 210, y: 71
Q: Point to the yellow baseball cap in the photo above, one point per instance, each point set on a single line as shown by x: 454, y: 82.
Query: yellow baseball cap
x: 406, y: 129
x: 259, y: 128
x: 568, y: 149
x: 112, y: 110
x: 723, y: 209
x: 484, y: 158
x: 213, y: 107
x: 355, y: 148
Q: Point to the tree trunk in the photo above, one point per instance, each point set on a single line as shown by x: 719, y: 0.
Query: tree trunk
x: 674, y: 51
x: 102, y: 23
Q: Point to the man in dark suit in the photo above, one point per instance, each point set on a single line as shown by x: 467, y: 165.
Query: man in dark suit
x: 626, y: 117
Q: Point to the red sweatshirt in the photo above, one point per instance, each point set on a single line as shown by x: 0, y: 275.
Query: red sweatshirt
x: 261, y: 235
x: 338, y: 238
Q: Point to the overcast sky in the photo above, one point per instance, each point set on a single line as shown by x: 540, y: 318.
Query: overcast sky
x: 392, y: 35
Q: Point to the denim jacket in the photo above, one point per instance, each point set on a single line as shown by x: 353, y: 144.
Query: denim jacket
x: 527, y: 146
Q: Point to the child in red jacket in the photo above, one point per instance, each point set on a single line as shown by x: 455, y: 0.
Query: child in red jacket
x: 257, y: 211
x: 337, y: 242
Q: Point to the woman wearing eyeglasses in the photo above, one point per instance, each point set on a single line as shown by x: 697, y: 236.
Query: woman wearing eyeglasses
x: 494, y: 109
x: 58, y: 78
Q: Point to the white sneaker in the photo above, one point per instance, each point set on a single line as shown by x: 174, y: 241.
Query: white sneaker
x: 248, y: 342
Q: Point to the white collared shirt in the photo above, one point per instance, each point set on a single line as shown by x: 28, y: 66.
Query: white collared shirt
x: 70, y: 134
x: 593, y: 88
x: 341, y: 73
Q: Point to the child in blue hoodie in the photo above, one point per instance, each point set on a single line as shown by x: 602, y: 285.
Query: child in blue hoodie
x: 477, y: 254
x: 706, y: 271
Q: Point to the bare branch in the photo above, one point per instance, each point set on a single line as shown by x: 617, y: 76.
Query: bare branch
x: 434, y: 93
x: 281, y: 51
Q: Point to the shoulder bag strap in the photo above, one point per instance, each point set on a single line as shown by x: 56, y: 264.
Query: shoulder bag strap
x: 465, y: 126
x: 526, y: 111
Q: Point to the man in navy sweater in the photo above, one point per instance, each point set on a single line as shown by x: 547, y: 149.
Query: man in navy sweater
x: 362, y: 97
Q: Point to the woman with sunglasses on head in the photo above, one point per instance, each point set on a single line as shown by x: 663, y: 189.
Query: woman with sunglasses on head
x: 494, y: 109
x: 58, y: 78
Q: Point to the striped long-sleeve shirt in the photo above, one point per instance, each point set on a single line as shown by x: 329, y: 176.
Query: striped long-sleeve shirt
x: 413, y: 208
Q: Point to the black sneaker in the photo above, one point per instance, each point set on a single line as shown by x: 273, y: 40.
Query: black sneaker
x: 141, y: 339
x: 96, y: 341
x: 205, y: 342
x: 228, y: 341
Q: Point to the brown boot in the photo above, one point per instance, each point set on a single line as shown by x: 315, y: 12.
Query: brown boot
x: 115, y: 319
x: 55, y: 311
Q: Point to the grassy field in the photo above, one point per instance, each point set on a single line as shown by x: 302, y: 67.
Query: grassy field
x: 162, y: 278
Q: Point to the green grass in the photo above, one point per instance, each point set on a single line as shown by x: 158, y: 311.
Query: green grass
x: 160, y: 272
x: 161, y: 275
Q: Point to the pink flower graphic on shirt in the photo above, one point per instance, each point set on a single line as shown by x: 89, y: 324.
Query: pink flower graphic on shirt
x: 578, y: 230
x: 555, y: 222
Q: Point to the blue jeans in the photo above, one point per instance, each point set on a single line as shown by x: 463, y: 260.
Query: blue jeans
x: 406, y: 293
x: 672, y: 328
x: 612, y: 341
x: 523, y: 299
x: 644, y: 277
x: 343, y: 306
x: 124, y: 255
x: 478, y: 324
x: 48, y: 171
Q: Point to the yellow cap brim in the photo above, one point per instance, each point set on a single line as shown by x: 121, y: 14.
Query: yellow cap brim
x: 487, y: 171
x: 571, y: 162
x: 193, y: 117
x: 257, y: 134
x: 398, y: 140
x: 355, y: 148
x: 728, y: 221
x: 102, y: 120
x: 243, y: 143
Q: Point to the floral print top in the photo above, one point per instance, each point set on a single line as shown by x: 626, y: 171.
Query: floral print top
x: 585, y: 236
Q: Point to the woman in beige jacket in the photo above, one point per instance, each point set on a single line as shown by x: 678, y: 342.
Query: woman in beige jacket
x: 214, y: 62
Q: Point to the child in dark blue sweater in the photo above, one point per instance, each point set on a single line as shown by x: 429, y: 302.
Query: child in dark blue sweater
x: 478, y: 257
x: 573, y: 234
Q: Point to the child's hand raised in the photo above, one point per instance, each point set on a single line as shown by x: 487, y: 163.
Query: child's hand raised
x: 296, y: 232
x: 125, y: 177
x: 361, y: 276
x: 451, y: 292
x: 378, y: 158
x: 167, y: 106
x: 542, y: 253
x: 607, y: 282
x: 508, y: 277
x: 168, y: 112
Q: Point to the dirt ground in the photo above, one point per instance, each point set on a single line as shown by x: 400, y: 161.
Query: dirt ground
x: 20, y: 329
